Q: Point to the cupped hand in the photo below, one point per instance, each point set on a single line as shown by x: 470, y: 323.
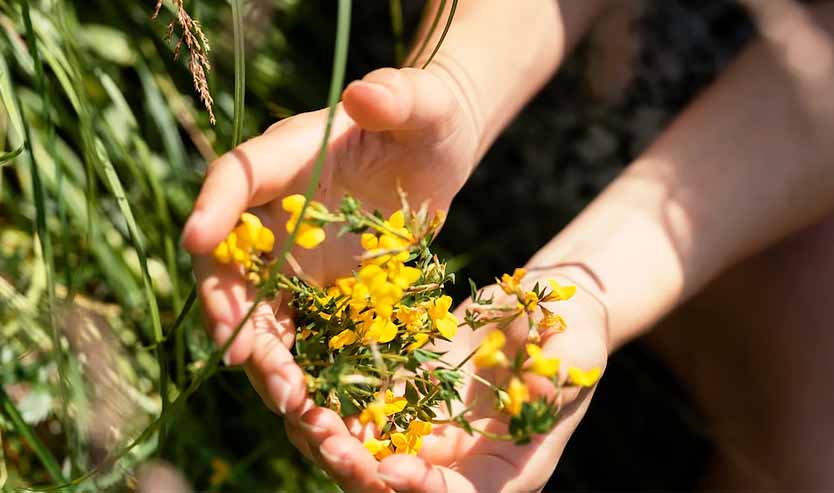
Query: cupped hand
x: 395, y: 128
x: 451, y: 460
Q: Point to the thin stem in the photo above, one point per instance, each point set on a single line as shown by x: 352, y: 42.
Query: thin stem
x: 240, y: 71
x: 41, y: 450
x: 445, y: 32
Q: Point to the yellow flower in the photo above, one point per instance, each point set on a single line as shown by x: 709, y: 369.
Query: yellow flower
x: 489, y: 353
x: 584, y: 378
x: 411, y: 441
x: 378, y: 448
x: 309, y: 233
x: 402, y: 275
x: 518, y: 394
x: 375, y: 411
x: 220, y: 470
x: 343, y: 338
x: 411, y: 318
x: 512, y: 284
x: 253, y: 232
x: 245, y: 241
x: 542, y: 365
x: 559, y: 292
x: 420, y: 340
x: 445, y: 322
x: 531, y: 300
x: 552, y: 321
x: 380, y: 330
x: 393, y: 405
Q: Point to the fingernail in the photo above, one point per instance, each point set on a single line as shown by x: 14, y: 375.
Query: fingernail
x: 221, y: 334
x: 331, y: 457
x: 192, y: 222
x: 280, y: 390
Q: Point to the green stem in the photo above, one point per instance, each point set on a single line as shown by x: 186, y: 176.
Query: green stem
x: 445, y: 32
x: 428, y: 35
x: 240, y: 71
x: 43, y: 233
x: 396, y: 8
x: 43, y: 453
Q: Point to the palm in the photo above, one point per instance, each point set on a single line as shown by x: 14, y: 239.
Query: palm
x: 452, y: 460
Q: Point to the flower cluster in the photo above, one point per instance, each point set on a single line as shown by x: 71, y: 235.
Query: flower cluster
x: 364, y: 341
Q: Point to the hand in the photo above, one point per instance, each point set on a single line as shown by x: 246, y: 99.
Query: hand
x: 451, y: 460
x: 395, y: 127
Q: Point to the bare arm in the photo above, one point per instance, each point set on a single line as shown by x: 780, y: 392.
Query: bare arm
x: 750, y: 162
x: 499, y: 53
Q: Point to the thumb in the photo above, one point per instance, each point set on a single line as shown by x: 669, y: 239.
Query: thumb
x: 400, y: 99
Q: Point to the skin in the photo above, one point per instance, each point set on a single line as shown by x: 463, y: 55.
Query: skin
x: 731, y: 178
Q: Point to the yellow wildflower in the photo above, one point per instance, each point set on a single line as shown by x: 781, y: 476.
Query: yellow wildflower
x: 402, y: 275
x: 411, y: 318
x: 584, y: 378
x: 420, y: 340
x: 518, y: 394
x: 542, y: 365
x: 530, y: 301
x: 411, y: 441
x: 220, y: 470
x: 309, y: 233
x: 552, y: 321
x: 393, y: 405
x: 375, y: 411
x: 378, y: 448
x: 445, y: 322
x: 343, y: 338
x: 247, y: 240
x: 380, y: 330
x: 559, y: 292
x: 512, y: 284
x: 489, y: 353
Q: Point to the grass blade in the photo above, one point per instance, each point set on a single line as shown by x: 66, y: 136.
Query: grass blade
x: 3, y: 474
x: 43, y: 232
x: 396, y: 8
x: 443, y: 35
x: 6, y: 157
x: 434, y: 23
x: 240, y: 71
x: 43, y: 453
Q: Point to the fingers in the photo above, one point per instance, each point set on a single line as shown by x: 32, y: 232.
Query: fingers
x: 399, y: 99
x: 340, y: 454
x: 225, y: 298
x: 408, y: 473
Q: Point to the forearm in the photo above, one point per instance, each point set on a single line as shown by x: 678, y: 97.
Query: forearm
x: 747, y: 164
x: 499, y: 53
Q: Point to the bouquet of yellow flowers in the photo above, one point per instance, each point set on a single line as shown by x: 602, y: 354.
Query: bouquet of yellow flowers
x: 365, y: 343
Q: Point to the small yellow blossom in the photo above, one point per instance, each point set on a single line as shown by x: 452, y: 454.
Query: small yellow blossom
x: 551, y: 320
x: 343, y: 338
x: 380, y: 449
x: 584, y: 378
x: 489, y: 353
x: 542, y: 365
x: 531, y: 300
x: 420, y: 340
x: 559, y: 292
x: 402, y: 275
x: 446, y: 323
x: 375, y: 411
x: 393, y: 405
x: 518, y: 394
x: 411, y: 441
x: 220, y: 470
x: 512, y: 284
x: 380, y: 330
x: 247, y: 240
x: 411, y: 318
x: 309, y: 233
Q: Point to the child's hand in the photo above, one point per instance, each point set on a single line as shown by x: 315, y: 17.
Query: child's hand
x: 395, y: 127
x: 451, y: 460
